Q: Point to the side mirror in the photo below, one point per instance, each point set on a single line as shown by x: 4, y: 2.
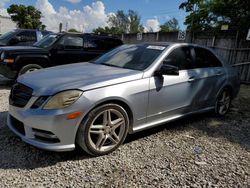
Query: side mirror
x: 168, y: 70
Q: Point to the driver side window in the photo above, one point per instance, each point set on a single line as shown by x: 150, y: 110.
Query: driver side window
x: 180, y: 57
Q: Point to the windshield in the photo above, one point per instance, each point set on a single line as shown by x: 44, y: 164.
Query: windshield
x: 136, y: 57
x: 7, y: 35
x: 47, y: 41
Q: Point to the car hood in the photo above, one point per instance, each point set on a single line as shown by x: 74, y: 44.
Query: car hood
x: 84, y: 76
x: 22, y: 49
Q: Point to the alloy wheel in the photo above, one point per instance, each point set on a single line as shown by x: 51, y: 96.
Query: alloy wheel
x: 223, y: 102
x: 107, y: 130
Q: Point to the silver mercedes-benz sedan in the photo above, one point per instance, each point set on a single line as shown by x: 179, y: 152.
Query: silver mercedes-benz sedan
x: 129, y: 89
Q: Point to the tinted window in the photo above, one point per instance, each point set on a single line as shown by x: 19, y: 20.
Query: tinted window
x: 72, y: 42
x: 205, y: 58
x: 47, y: 41
x: 44, y: 33
x: 27, y: 36
x: 180, y: 57
x: 110, y: 43
x: 136, y: 57
x: 7, y: 35
x: 94, y: 43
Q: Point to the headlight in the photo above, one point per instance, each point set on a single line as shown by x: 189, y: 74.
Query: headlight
x: 63, y: 99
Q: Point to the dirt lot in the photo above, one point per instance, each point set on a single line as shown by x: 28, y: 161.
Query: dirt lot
x: 199, y: 151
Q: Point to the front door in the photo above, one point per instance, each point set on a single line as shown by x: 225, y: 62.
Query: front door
x: 171, y: 96
x: 68, y: 50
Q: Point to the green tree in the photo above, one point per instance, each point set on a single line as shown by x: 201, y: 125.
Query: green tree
x: 122, y: 22
x: 106, y: 30
x: 73, y: 30
x: 170, y: 25
x: 134, y: 22
x: 235, y: 13
x: 119, y: 21
x: 211, y: 14
x: 26, y: 17
x: 200, y: 17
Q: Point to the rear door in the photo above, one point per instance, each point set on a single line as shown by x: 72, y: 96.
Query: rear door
x: 94, y: 46
x: 25, y: 38
x: 211, y: 76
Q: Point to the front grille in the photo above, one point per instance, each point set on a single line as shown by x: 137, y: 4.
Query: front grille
x: 17, y: 125
x: 20, y: 95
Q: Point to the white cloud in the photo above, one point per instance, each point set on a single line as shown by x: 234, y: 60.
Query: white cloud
x: 87, y: 19
x: 152, y: 25
x: 3, y: 11
x: 74, y: 1
x: 45, y: 7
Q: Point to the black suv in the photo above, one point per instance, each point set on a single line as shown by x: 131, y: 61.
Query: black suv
x: 22, y: 37
x: 53, y: 50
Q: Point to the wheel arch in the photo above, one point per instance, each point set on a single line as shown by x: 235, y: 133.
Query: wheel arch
x: 22, y: 61
x: 226, y: 86
x: 124, y: 105
x: 117, y: 101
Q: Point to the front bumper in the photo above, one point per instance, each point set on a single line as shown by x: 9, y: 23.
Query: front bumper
x: 7, y: 72
x: 45, y: 129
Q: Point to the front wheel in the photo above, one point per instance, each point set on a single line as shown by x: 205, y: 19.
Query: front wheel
x: 104, y: 129
x: 223, y: 102
x: 29, y: 68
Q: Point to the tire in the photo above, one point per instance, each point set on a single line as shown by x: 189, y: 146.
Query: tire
x: 29, y: 68
x: 99, y: 134
x: 223, y: 102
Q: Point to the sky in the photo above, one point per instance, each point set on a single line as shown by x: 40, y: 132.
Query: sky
x: 86, y: 15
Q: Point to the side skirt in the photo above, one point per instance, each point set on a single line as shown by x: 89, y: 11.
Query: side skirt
x: 168, y: 119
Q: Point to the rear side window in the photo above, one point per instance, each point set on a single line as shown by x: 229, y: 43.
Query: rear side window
x: 101, y: 43
x: 94, y: 43
x: 72, y: 42
x: 204, y: 58
x: 180, y: 57
x: 111, y: 43
x: 25, y: 36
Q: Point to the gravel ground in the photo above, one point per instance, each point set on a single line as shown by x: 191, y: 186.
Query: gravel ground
x: 199, y: 151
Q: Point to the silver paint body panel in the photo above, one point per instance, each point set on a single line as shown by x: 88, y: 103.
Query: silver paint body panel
x: 153, y: 100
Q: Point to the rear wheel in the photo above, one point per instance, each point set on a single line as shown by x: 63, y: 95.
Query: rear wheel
x: 223, y: 102
x: 104, y: 130
x: 29, y: 68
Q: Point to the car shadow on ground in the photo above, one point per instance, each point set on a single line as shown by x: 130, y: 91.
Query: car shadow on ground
x: 16, y: 154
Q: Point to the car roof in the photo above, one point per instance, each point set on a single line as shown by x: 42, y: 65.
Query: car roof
x: 31, y: 30
x: 168, y: 44
x: 88, y: 34
x: 171, y: 44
